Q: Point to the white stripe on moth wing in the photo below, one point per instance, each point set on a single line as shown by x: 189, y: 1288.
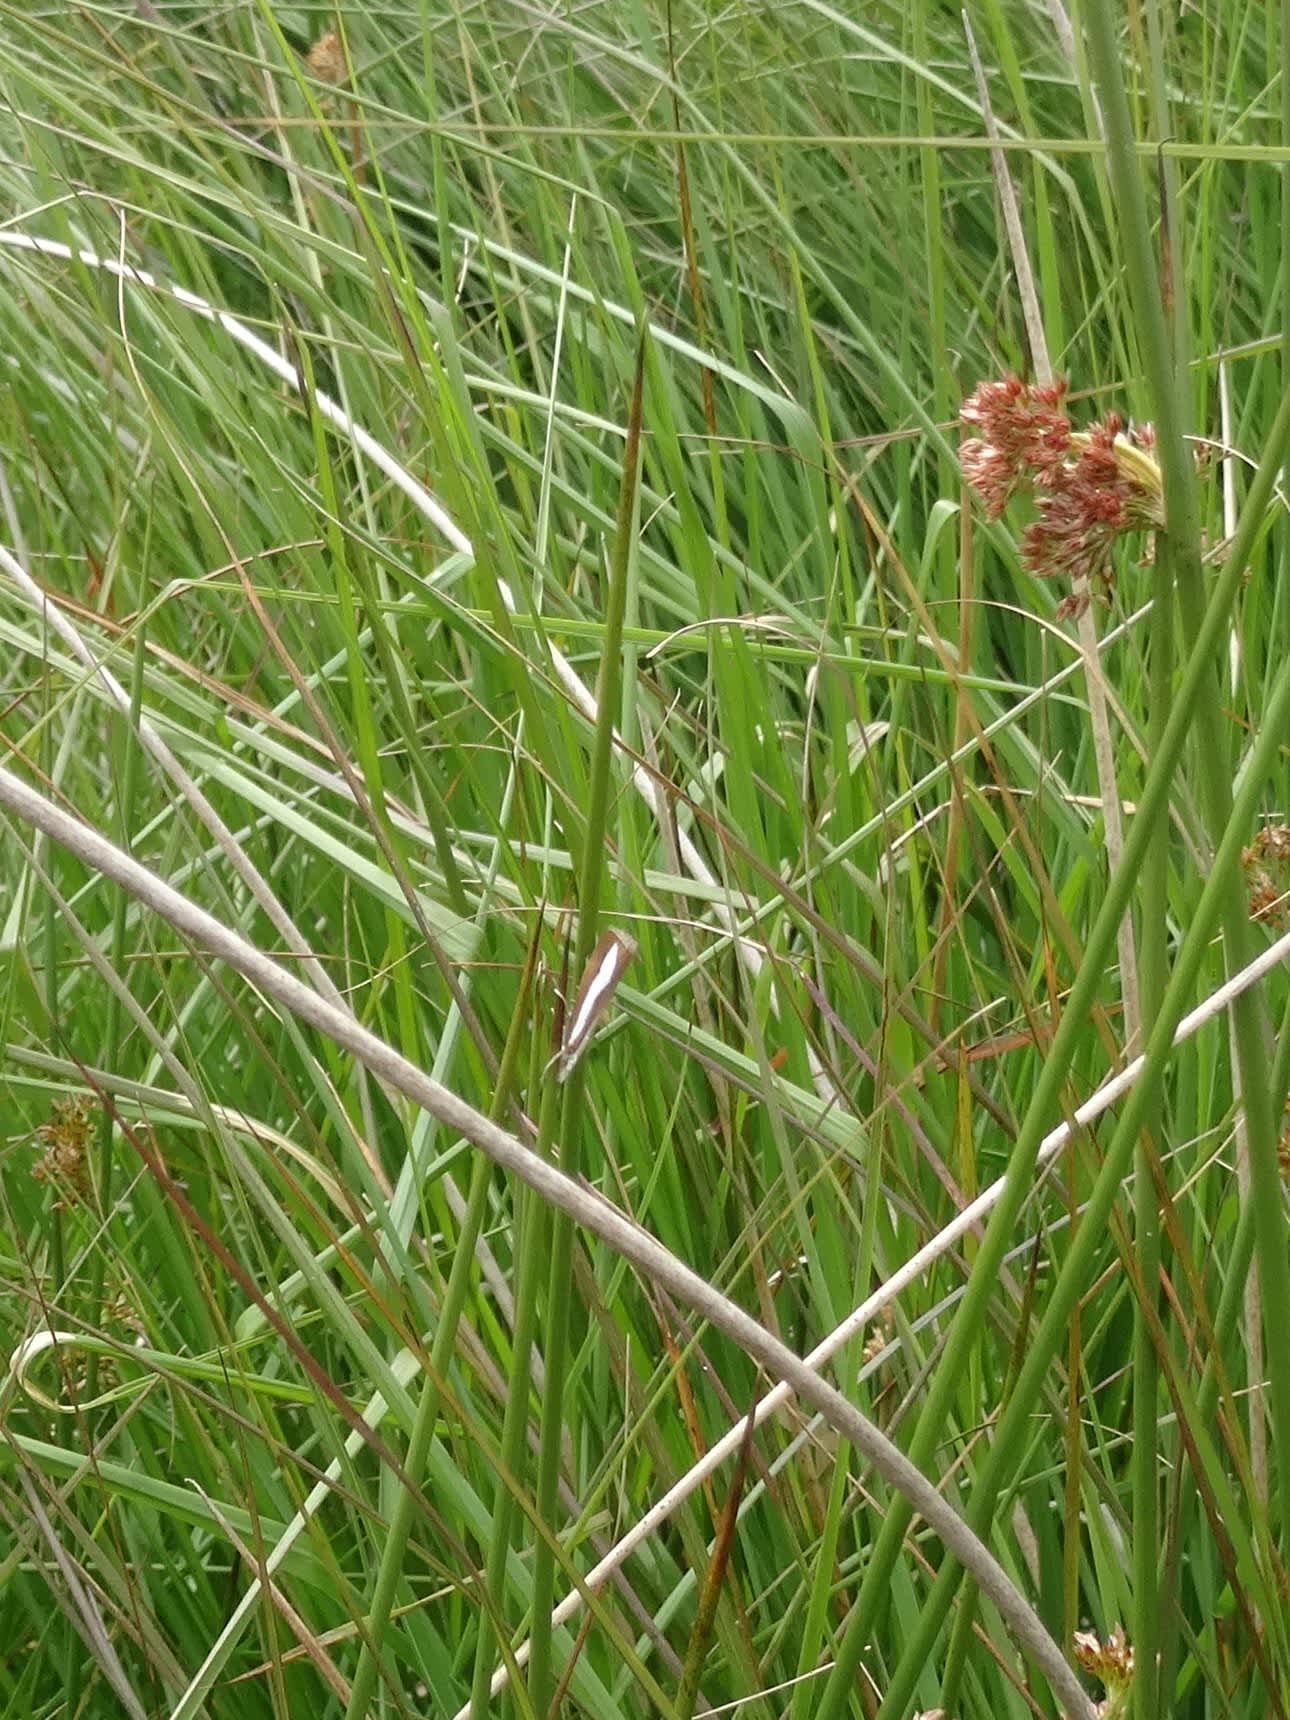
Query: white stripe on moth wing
x: 599, y: 982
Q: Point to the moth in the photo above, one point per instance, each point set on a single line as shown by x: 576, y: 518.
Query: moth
x: 604, y: 970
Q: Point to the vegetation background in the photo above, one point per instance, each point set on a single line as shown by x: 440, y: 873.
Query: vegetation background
x: 476, y: 475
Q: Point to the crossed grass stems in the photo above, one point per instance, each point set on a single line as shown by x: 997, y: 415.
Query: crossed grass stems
x: 998, y: 1582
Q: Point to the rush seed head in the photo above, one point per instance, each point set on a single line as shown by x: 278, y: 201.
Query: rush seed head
x: 1089, y: 487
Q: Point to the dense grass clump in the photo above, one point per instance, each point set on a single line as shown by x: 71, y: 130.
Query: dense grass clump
x: 484, y: 554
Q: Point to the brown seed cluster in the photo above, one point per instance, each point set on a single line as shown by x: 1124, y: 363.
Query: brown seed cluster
x: 326, y: 59
x: 1267, y: 876
x: 65, y: 1160
x: 1112, y: 1662
x: 1022, y: 438
x: 1090, y: 487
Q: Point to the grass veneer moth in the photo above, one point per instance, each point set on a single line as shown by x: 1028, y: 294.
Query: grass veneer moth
x: 604, y: 969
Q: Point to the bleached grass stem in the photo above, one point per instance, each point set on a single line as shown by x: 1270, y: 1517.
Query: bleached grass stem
x: 916, y: 1267
x: 408, y: 486
x: 582, y: 1204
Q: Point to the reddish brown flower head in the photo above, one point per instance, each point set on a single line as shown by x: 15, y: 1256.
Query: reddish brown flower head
x: 1267, y: 875
x: 1112, y: 1662
x: 990, y: 473
x: 1082, y: 511
x: 1024, y: 434
x: 1089, y: 487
